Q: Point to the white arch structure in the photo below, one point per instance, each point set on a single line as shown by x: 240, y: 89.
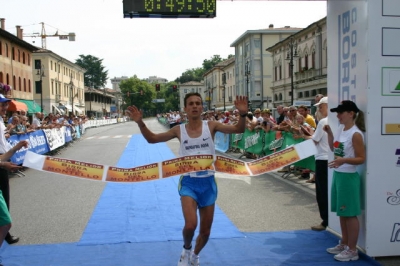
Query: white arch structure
x: 364, y: 66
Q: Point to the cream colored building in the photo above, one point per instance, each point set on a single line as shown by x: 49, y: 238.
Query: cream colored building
x: 309, y: 48
x: 62, y: 83
x: 218, y: 94
x: 191, y: 86
x: 253, y: 72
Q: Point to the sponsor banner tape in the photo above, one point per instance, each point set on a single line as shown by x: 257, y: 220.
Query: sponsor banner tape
x: 173, y: 167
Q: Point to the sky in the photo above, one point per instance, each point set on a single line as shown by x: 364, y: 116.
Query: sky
x: 149, y: 46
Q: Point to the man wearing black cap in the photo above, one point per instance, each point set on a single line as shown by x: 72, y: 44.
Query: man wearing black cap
x: 5, y: 166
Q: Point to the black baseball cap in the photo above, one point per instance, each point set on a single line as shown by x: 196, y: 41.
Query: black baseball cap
x: 346, y: 106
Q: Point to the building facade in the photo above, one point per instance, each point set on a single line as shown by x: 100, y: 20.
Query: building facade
x: 307, y: 50
x: 61, y: 82
x: 100, y: 103
x: 191, y: 86
x: 16, y: 65
x: 116, y: 81
x: 253, y: 72
x: 156, y: 80
x: 220, y: 85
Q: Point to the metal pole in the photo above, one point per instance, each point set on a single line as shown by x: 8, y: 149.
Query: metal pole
x: 224, y: 99
x: 247, y: 73
x: 71, y: 85
x: 209, y: 98
x: 72, y: 99
x: 223, y: 83
x: 90, y: 103
x: 41, y: 93
x: 291, y: 72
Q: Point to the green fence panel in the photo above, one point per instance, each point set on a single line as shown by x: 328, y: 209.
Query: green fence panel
x: 263, y: 144
x: 237, y: 141
x: 271, y: 144
x: 309, y: 162
x: 254, y: 142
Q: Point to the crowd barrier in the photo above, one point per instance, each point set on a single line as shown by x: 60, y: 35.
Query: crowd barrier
x: 264, y: 143
x: 43, y: 141
x: 259, y: 142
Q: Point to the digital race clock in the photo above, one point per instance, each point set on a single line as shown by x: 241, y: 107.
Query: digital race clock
x: 169, y: 8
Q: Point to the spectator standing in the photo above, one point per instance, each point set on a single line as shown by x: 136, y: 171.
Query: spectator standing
x: 317, y: 114
x: 227, y: 117
x: 320, y: 138
x: 303, y: 110
x: 5, y: 218
x: 36, y: 121
x: 170, y: 120
x: 11, y: 117
x: 14, y: 127
x: 257, y: 115
x: 280, y: 109
x: 349, y: 151
x: 6, y: 166
x: 25, y: 124
x: 301, y: 128
x: 266, y: 124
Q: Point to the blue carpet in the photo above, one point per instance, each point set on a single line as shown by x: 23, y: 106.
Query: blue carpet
x: 147, y: 211
x: 145, y: 220
x: 255, y: 249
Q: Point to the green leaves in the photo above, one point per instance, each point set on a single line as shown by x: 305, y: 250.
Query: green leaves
x: 95, y: 76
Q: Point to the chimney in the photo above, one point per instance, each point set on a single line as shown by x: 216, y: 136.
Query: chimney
x: 18, y: 32
x: 271, y: 26
x: 3, y: 23
x: 22, y: 35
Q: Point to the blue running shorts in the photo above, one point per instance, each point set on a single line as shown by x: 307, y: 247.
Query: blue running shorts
x: 203, y: 190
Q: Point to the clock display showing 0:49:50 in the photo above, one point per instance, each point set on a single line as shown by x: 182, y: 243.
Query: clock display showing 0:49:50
x: 191, y: 7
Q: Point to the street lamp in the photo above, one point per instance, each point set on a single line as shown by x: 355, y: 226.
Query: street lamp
x: 71, y: 86
x: 209, y: 97
x: 105, y: 101
x: 291, y: 53
x: 224, y: 83
x: 90, y: 103
x: 39, y: 87
x: 247, y: 73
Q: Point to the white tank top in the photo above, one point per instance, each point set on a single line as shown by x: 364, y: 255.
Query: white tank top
x: 343, y: 147
x: 204, y: 144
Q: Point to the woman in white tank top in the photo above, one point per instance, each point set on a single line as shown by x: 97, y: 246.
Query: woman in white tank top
x: 349, y: 151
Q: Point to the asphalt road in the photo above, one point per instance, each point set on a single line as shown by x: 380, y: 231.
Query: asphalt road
x: 49, y: 208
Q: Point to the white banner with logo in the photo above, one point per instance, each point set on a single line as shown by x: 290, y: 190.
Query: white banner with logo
x: 364, y: 66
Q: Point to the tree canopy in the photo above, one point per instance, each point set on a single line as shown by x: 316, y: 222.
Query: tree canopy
x: 137, y: 92
x: 196, y: 74
x: 95, y: 76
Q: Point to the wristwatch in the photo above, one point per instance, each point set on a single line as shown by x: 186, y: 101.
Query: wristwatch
x: 243, y: 115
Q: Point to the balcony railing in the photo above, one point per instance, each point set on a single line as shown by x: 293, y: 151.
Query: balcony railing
x: 305, y: 75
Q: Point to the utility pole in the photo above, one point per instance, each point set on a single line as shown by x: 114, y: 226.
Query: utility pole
x: 224, y: 83
x: 39, y: 84
x: 71, y: 84
x: 247, y: 73
x: 291, y: 53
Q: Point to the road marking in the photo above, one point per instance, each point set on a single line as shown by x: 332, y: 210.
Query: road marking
x: 109, y: 137
x: 246, y: 179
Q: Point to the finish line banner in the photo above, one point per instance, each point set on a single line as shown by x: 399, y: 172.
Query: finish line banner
x: 173, y: 167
